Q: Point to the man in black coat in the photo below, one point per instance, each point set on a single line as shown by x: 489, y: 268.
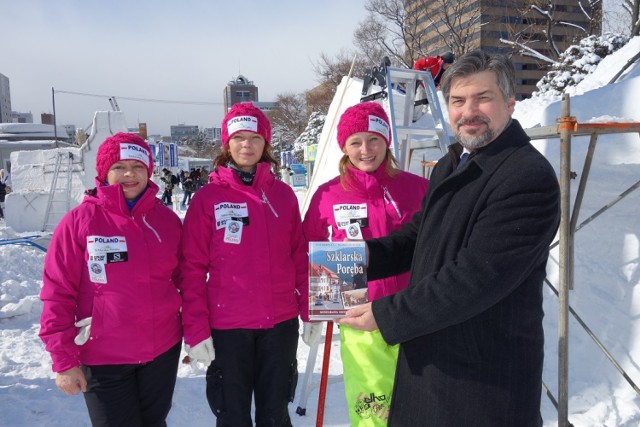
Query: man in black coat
x: 470, y: 323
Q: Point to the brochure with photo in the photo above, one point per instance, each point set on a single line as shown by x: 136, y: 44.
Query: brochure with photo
x: 337, y: 278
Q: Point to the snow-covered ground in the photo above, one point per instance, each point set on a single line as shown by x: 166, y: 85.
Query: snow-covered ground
x: 606, y: 294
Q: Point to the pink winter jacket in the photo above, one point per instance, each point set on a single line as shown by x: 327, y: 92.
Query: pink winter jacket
x: 118, y: 267
x: 390, y: 202
x: 252, y: 275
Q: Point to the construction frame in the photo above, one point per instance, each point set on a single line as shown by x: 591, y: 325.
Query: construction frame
x: 565, y: 130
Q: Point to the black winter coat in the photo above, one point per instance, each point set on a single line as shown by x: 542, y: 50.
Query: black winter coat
x: 470, y: 322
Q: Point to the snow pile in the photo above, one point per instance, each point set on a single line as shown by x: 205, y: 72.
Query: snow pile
x: 593, y: 97
x: 578, y: 61
x: 18, y: 289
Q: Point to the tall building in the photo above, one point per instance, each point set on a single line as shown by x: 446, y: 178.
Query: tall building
x: 182, y: 130
x: 243, y: 90
x: 239, y: 90
x: 47, y: 118
x: 213, y: 134
x: 17, y: 117
x: 492, y: 20
x: 5, y: 100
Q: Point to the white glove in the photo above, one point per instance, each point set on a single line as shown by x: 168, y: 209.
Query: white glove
x: 202, y: 352
x: 84, y: 332
x: 311, y: 333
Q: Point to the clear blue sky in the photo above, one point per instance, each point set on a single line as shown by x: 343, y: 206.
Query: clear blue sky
x: 170, y: 50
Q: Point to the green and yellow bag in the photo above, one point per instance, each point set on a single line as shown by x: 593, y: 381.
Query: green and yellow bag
x: 369, y: 365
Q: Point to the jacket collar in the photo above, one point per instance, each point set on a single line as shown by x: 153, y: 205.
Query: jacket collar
x: 111, y: 197
x: 228, y: 177
x: 364, y: 181
x: 489, y: 158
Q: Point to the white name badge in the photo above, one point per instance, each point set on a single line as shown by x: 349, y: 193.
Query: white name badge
x: 102, y: 244
x: 134, y: 152
x: 376, y: 124
x: 346, y: 214
x: 107, y: 249
x: 241, y: 123
x: 233, y: 232
x: 226, y: 211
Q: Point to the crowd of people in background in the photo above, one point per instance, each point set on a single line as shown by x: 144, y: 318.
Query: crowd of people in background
x: 190, y: 181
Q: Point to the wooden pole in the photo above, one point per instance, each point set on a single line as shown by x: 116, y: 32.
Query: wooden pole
x: 55, y: 125
x: 325, y: 374
x: 566, y: 256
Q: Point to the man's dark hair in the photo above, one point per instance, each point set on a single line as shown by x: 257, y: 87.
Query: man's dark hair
x: 478, y: 61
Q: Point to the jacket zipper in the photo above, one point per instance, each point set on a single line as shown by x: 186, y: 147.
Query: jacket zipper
x: 144, y: 219
x: 389, y: 199
x: 265, y: 200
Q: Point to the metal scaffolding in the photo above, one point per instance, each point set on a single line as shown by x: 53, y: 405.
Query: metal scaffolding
x: 565, y: 130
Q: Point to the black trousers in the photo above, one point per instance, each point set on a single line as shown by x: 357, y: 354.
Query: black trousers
x: 258, y: 362
x: 186, y: 198
x: 166, y: 197
x: 132, y: 395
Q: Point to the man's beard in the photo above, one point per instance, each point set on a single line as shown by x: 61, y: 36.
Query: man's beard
x: 474, y: 142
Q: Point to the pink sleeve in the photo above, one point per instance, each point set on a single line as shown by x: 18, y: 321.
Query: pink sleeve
x: 316, y: 228
x: 299, y: 250
x: 61, y: 278
x: 194, y: 266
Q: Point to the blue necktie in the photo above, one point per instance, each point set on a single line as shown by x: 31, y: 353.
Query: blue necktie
x: 463, y: 160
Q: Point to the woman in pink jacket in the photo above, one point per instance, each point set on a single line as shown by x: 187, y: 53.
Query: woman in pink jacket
x: 245, y: 277
x: 370, y: 198
x: 111, y: 314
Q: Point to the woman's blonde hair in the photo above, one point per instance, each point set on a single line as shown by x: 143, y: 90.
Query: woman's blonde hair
x: 346, y: 180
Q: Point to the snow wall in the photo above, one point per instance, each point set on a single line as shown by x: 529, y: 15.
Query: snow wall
x: 32, y: 175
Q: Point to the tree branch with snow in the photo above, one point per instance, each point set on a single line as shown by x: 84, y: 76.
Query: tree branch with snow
x: 527, y: 51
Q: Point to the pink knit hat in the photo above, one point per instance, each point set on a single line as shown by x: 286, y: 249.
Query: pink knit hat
x: 245, y: 117
x: 363, y: 117
x: 122, y: 146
